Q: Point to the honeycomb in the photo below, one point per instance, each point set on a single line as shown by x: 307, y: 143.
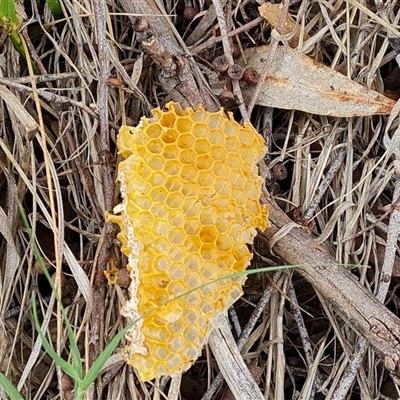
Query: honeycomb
x: 190, y: 205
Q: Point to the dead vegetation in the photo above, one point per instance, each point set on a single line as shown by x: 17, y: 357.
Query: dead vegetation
x: 326, y: 330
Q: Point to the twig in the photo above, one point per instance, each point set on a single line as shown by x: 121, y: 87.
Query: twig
x: 270, y: 58
x: 237, y: 91
x: 212, y: 41
x: 42, y: 78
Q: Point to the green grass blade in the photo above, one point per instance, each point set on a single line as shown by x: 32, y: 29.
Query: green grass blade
x: 12, y: 392
x: 55, y: 8
x: 8, y: 15
x: 64, y: 365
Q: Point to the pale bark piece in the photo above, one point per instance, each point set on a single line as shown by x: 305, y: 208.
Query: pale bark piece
x: 297, y: 82
x: 335, y: 283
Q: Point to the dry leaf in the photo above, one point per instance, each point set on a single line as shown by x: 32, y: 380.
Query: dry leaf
x: 272, y: 13
x: 297, y: 82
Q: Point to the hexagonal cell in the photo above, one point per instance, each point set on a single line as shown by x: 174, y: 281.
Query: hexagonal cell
x: 241, y: 253
x: 200, y: 130
x: 161, y: 228
x: 246, y: 136
x: 253, y: 206
x: 190, y: 189
x: 192, y: 243
x: 192, y: 206
x: 176, y: 343
x: 176, y: 236
x: 173, y: 360
x: 209, y: 269
x: 172, y: 167
x: 189, y: 173
x: 247, y: 154
x: 177, y: 220
x: 235, y: 294
x: 216, y: 137
x: 202, y: 146
x: 158, y: 194
x: 208, y: 234
x: 233, y: 161
x: 206, y: 196
x: 185, y: 141
x: 173, y: 184
x: 156, y: 162
x: 176, y: 289
x: 169, y: 136
x: 192, y: 280
x: 222, y: 186
x: 224, y: 243
x: 172, y: 311
x: 209, y: 251
x: 187, y: 156
x: 151, y: 296
x: 249, y: 169
x: 157, y: 179
x: 217, y: 153
x: 159, y: 321
x: 155, y: 146
x: 168, y: 119
x: 221, y: 169
x: 208, y: 215
x: 176, y: 271
x: 193, y: 261
x: 191, y: 352
x: 199, y: 116
x: 160, y: 352
x: 153, y: 130
x: 170, y: 152
x: 253, y: 189
x: 157, y: 281
x: 183, y: 124
x: 144, y: 171
x: 216, y: 121
x: 224, y: 203
x: 144, y: 219
x: 204, y: 162
x: 210, y: 289
x: 190, y: 334
x: 161, y: 369
x: 231, y: 128
x: 205, y: 178
x: 226, y: 260
x: 206, y: 307
x: 237, y: 179
x: 161, y: 245
x: 160, y: 334
x: 191, y: 316
x: 232, y: 144
x: 159, y: 211
x: 194, y: 299
x: 142, y: 202
x: 191, y: 226
x: 240, y: 196
x: 174, y: 200
x: 177, y: 253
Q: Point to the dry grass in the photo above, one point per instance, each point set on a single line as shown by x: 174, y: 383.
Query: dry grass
x: 60, y: 165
